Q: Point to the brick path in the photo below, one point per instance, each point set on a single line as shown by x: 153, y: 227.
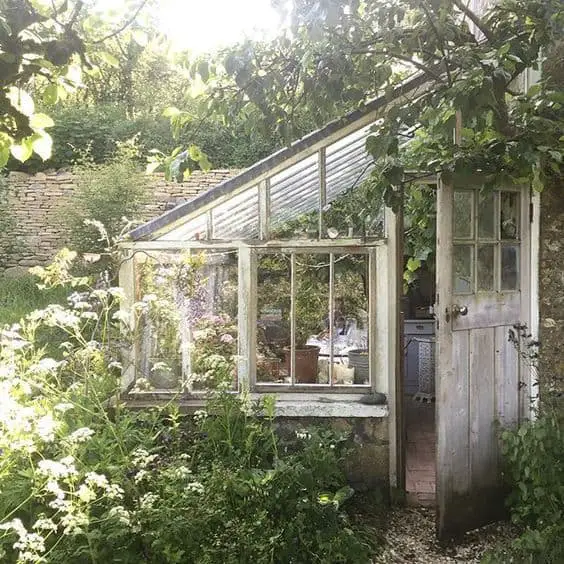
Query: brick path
x: 420, y: 454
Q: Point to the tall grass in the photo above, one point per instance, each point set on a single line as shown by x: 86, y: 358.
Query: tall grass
x: 20, y: 295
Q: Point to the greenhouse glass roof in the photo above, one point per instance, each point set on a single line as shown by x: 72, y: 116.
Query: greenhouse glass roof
x: 305, y: 177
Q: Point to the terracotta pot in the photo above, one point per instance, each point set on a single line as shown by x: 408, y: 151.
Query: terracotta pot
x: 306, y: 363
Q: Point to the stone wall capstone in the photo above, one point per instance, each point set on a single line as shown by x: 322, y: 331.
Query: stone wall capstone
x: 36, y: 230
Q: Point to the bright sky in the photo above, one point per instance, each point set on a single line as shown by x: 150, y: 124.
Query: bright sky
x: 202, y: 25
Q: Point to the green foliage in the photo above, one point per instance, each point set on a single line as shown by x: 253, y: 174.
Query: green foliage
x: 105, y: 194
x: 535, y: 471
x: 43, y: 44
x: 81, y: 483
x: 20, y: 296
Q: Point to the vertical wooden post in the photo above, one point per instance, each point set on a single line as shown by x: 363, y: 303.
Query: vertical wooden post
x: 129, y: 351
x: 247, y: 325
x: 209, y: 225
x: 322, y: 171
x: 264, y: 209
x: 376, y: 323
x: 394, y: 226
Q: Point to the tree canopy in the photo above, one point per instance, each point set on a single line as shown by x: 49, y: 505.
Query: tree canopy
x: 337, y: 54
x: 44, y: 47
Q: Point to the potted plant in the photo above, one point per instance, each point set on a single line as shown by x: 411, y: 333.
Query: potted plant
x: 311, y: 307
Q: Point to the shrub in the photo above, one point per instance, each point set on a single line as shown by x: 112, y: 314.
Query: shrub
x: 105, y: 195
x: 84, y: 483
x: 535, y: 471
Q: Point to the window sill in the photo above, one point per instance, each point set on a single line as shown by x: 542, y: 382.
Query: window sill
x: 287, y: 404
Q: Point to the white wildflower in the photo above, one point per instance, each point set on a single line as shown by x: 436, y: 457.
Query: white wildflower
x: 53, y: 469
x: 148, y: 500
x: 46, y: 427
x: 81, y: 435
x: 97, y: 480
x: 116, y: 293
x: 45, y: 524
x: 63, y: 407
x: 140, y: 476
x: 85, y: 494
x: 121, y: 514
x: 195, y: 487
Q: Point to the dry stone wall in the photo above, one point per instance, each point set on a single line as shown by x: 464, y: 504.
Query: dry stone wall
x: 34, y: 227
x: 552, y: 289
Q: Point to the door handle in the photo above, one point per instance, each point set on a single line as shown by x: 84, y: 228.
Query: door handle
x: 459, y: 310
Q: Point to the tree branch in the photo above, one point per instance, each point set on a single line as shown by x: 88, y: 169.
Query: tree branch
x: 474, y: 19
x: 125, y: 25
x: 427, y: 70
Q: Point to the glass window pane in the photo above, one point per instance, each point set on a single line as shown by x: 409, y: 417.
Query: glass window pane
x: 462, y: 215
x: 462, y: 269
x: 351, y: 320
x: 311, y: 303
x: 273, y: 317
x: 187, y: 325
x: 485, y: 264
x: 510, y: 267
x: 509, y: 215
x: 486, y: 215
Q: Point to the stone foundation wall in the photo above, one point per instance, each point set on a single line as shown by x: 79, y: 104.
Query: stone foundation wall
x: 367, y: 467
x: 552, y: 288
x: 34, y: 228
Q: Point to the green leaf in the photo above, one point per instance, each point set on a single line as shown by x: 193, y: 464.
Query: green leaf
x: 413, y: 264
x: 109, y: 59
x: 23, y: 151
x: 171, y: 111
x: 21, y: 100
x: 4, y: 156
x: 195, y: 153
x: 140, y: 37
x: 51, y: 94
x: 42, y: 144
x: 40, y: 121
x: 152, y: 166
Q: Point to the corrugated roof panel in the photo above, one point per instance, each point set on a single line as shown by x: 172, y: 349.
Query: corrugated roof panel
x: 238, y: 218
x: 195, y: 229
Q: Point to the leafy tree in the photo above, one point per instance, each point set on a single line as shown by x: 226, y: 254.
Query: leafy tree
x: 43, y: 46
x: 339, y: 53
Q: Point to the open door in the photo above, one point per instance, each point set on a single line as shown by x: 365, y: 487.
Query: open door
x: 482, y: 291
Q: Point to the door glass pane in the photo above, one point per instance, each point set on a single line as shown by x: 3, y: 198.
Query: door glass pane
x: 509, y: 215
x: 462, y: 269
x: 510, y: 267
x: 486, y: 215
x: 462, y: 215
x: 485, y: 263
x: 273, y: 318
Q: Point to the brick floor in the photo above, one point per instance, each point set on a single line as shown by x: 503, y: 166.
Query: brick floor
x: 420, y: 452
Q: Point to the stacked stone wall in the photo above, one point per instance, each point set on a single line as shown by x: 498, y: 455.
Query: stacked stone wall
x: 34, y: 224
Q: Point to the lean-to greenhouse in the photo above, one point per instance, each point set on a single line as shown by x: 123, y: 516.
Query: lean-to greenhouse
x: 274, y: 280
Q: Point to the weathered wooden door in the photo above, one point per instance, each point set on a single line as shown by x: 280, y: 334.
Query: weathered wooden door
x: 482, y: 291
